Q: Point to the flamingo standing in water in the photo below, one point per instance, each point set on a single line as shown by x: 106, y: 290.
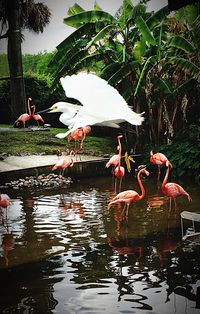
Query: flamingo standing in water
x: 158, y: 159
x: 113, y: 161
x: 129, y: 196
x: 172, y: 190
x: 119, y: 170
x: 63, y: 164
x: 4, y: 203
x: 25, y: 117
x: 36, y: 116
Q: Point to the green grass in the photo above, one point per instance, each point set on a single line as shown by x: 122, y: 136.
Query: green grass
x: 45, y: 142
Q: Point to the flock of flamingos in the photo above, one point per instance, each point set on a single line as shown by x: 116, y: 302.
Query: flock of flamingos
x: 170, y: 189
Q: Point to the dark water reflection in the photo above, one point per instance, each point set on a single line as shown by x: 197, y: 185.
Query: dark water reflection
x: 65, y: 252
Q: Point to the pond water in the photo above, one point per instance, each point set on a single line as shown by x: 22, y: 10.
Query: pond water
x: 64, y: 251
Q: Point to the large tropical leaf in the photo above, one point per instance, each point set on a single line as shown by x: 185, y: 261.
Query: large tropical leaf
x: 182, y: 43
x: 101, y: 35
x: 187, y: 66
x: 75, y: 9
x: 145, y: 31
x: 164, y: 86
x: 156, y: 18
x: 124, y: 70
x: 89, y: 17
x: 88, y: 29
x: 144, y: 71
x: 125, y: 12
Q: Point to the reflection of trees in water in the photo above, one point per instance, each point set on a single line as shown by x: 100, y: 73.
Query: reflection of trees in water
x: 131, y: 262
x: 29, y: 288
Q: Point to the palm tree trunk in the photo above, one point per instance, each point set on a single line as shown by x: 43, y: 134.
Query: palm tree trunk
x: 15, y: 60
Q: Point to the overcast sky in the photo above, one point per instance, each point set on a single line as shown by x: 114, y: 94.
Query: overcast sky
x: 56, y: 31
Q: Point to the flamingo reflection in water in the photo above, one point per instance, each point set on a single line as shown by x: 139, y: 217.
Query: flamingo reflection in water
x: 165, y: 247
x: 129, y: 196
x: 156, y: 201
x: 72, y: 206
x: 8, y: 243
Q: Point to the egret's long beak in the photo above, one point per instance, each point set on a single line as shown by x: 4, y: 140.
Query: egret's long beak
x: 45, y: 110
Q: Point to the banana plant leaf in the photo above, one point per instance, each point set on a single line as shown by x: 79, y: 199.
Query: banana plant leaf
x: 89, y: 17
x: 145, y: 31
x: 180, y: 42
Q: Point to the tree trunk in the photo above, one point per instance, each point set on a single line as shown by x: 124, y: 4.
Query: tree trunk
x: 15, y: 60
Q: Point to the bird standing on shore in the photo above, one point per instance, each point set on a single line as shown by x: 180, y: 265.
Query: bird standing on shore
x: 37, y: 117
x: 25, y: 117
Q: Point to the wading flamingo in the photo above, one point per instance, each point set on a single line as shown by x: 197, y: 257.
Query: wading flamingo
x: 4, y: 201
x: 129, y: 196
x: 172, y: 190
x: 36, y: 116
x: 25, y: 117
x: 119, y: 170
x: 158, y: 159
x: 63, y: 164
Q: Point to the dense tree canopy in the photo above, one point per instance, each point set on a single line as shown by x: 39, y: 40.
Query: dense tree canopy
x: 150, y: 57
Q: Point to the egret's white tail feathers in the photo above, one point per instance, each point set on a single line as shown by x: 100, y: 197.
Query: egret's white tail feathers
x: 135, y: 118
x: 63, y: 135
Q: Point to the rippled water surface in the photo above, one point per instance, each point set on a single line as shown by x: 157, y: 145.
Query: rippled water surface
x: 64, y: 251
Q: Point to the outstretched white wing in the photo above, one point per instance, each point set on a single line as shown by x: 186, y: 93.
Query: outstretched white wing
x: 101, y: 102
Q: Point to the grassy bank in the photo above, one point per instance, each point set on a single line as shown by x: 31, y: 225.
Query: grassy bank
x: 44, y: 142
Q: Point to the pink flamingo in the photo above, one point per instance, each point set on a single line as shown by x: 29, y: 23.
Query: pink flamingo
x: 86, y: 130
x: 36, y: 116
x: 172, y: 190
x: 63, y: 164
x: 113, y: 161
x: 4, y: 201
x: 25, y: 117
x: 129, y: 196
x: 158, y: 159
x: 75, y: 135
x: 119, y: 170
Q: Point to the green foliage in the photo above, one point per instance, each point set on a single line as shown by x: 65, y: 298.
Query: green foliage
x: 38, y: 64
x: 4, y: 71
x: 184, y: 152
x: 37, y: 87
x: 45, y: 142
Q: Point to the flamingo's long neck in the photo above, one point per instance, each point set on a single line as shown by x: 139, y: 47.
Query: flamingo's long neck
x: 165, y: 179
x: 120, y: 153
x: 29, y: 109
x: 33, y: 112
x: 141, y: 186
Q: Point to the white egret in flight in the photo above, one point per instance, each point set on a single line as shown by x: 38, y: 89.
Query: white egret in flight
x: 101, y: 104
